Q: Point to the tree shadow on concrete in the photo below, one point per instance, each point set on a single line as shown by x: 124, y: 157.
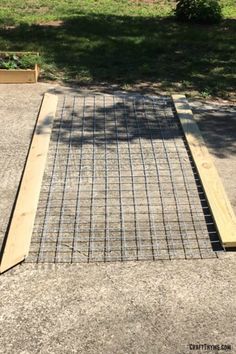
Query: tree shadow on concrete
x: 104, y: 128
x: 218, y: 124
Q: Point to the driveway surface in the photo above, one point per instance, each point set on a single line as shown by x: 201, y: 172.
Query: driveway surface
x: 131, y: 307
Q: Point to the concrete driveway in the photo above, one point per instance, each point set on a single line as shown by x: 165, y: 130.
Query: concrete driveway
x: 132, y: 307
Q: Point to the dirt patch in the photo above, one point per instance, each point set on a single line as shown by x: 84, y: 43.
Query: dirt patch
x: 55, y: 23
x: 145, y: 1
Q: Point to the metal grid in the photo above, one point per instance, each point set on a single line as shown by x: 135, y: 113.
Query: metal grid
x: 120, y: 185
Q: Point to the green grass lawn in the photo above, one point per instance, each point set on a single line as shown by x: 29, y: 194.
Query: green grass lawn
x: 124, y: 42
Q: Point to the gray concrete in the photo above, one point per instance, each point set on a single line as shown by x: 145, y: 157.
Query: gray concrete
x: 143, y: 307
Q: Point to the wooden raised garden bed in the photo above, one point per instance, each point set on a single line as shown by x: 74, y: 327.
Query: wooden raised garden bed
x: 19, y: 75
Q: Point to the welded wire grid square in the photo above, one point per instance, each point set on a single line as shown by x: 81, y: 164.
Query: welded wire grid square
x: 120, y: 185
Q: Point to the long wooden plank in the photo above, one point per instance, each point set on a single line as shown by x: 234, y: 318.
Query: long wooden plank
x: 17, y: 241
x: 219, y: 203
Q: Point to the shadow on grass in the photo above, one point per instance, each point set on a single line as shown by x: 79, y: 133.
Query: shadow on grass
x: 130, y: 50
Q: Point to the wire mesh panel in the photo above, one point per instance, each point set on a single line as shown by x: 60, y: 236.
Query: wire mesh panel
x: 120, y: 185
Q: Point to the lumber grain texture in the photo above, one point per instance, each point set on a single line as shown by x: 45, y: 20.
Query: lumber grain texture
x: 17, y: 241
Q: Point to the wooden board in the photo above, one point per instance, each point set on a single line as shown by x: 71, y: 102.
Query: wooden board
x: 219, y: 203
x: 19, y: 76
x: 17, y: 242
